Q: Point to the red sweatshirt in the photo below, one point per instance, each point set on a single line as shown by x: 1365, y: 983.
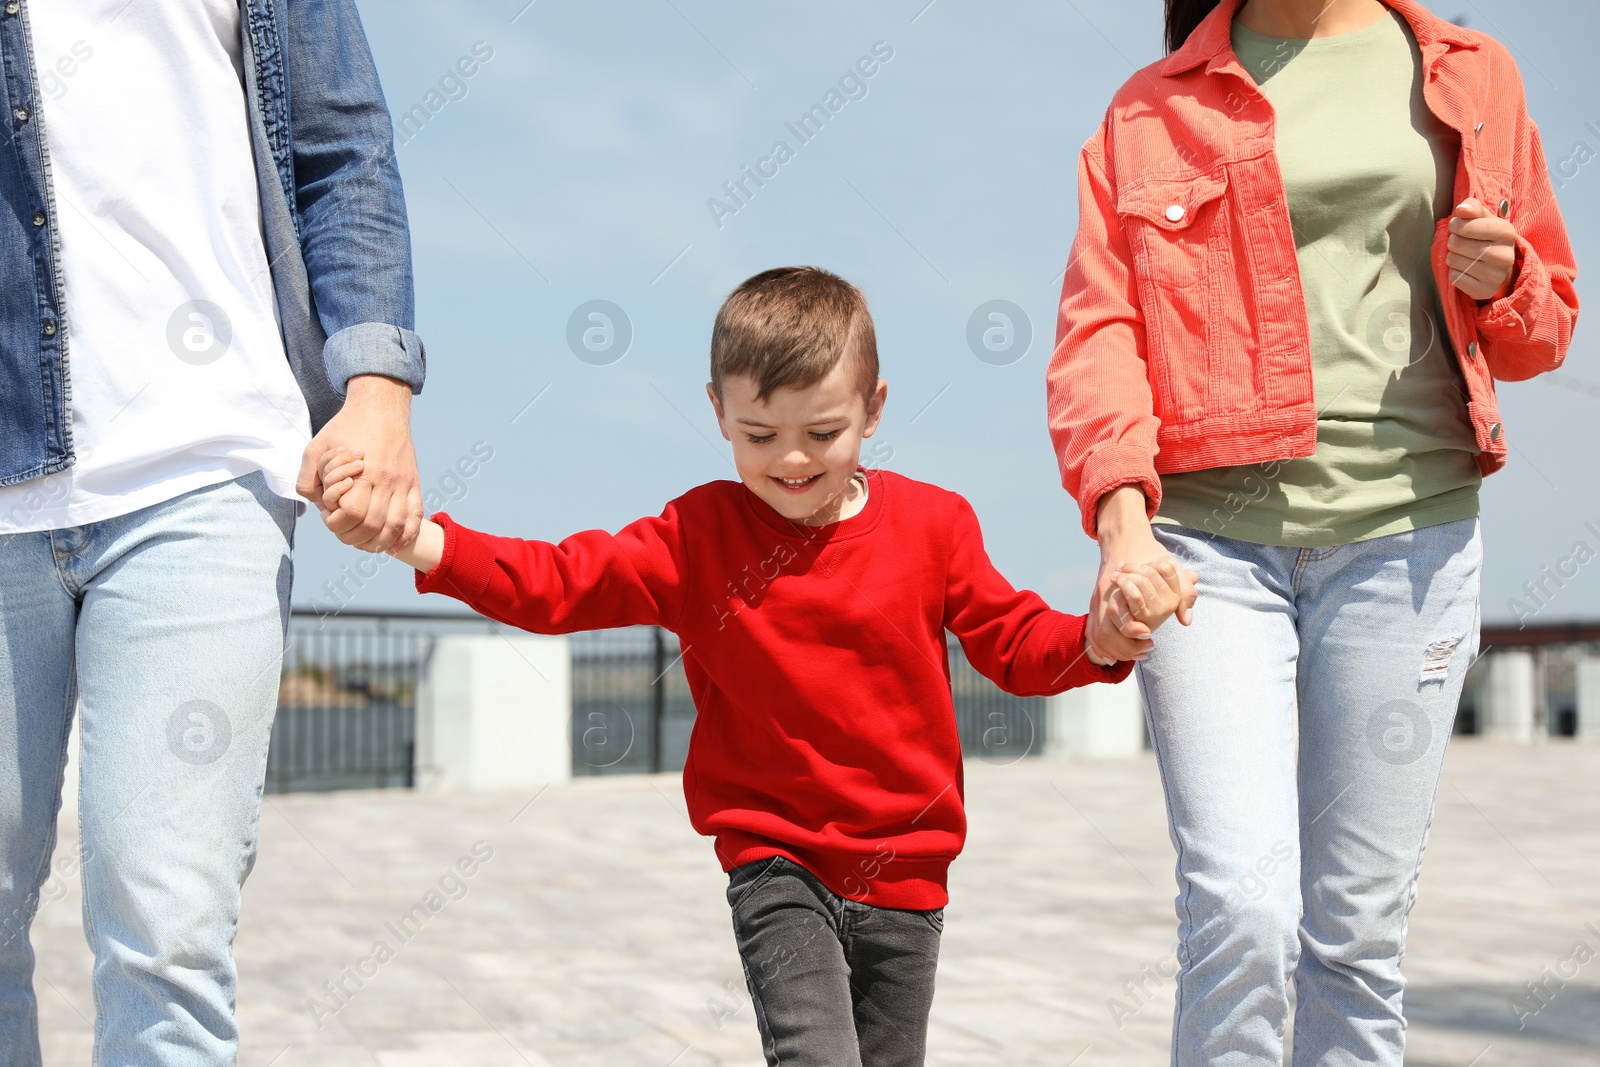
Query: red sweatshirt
x: 825, y: 730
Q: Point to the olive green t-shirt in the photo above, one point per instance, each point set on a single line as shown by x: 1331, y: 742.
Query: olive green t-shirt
x: 1367, y: 170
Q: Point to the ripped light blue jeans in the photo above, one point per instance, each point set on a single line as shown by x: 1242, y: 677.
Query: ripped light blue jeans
x: 1300, y: 726
x: 164, y: 628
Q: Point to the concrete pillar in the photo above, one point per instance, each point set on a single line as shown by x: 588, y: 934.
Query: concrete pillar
x: 495, y: 713
x: 1097, y: 721
x: 1588, y: 678
x: 1506, y: 699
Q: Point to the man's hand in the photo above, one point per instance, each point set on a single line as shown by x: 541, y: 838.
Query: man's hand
x: 1125, y: 539
x: 1483, y: 250
x: 382, y: 510
x: 339, y: 473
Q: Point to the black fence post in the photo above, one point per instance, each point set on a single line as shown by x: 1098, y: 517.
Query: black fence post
x: 658, y: 702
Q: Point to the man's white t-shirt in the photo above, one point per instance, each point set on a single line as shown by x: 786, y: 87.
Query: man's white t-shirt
x: 177, y: 369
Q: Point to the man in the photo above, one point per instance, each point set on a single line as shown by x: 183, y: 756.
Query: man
x: 204, y: 257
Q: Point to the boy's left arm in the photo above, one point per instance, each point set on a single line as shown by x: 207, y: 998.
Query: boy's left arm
x: 1012, y: 636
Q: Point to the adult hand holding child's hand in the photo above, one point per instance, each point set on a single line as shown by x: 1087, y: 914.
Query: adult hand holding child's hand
x: 339, y: 472
x: 1139, y: 585
x: 383, y: 507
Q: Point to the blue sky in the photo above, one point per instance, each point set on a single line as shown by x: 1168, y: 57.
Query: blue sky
x: 576, y: 163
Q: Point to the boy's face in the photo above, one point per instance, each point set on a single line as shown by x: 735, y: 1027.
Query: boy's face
x: 799, y: 448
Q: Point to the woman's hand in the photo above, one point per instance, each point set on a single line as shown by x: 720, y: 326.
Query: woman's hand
x: 1125, y: 537
x: 1483, y: 250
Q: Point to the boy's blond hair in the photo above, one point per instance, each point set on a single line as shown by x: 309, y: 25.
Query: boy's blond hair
x: 789, y: 327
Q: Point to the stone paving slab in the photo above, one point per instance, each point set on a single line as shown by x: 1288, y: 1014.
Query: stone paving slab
x: 595, y: 931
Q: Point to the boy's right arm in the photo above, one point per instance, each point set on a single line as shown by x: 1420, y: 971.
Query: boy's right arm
x: 591, y: 581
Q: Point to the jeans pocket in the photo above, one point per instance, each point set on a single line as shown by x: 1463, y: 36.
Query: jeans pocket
x: 935, y: 919
x: 747, y: 874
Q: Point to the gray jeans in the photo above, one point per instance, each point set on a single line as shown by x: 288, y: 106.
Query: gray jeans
x: 836, y: 983
x: 1300, y: 725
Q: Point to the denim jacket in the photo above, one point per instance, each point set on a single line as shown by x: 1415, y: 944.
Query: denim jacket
x: 332, y: 212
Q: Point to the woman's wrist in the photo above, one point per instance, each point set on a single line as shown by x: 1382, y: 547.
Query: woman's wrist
x: 1122, y: 513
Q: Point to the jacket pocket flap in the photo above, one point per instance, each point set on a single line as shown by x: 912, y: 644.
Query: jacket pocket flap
x: 1171, y: 203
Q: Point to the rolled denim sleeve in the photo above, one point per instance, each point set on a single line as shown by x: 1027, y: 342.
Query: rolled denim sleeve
x: 375, y: 348
x: 351, y: 209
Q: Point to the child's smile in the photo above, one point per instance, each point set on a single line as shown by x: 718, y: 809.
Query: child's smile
x: 798, y: 448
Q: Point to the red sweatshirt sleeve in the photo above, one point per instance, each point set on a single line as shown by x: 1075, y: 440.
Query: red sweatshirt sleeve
x: 591, y: 581
x: 1012, y: 636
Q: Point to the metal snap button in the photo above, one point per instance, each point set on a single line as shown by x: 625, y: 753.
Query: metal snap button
x: 1494, y: 432
x: 13, y: 7
x: 1175, y: 213
x: 38, y: 218
x: 1472, y: 350
x: 49, y: 329
x: 21, y: 113
x: 1478, y: 128
x: 1505, y: 209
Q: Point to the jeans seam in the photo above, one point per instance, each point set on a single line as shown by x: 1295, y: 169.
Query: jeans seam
x: 53, y: 837
x: 55, y: 563
x: 769, y: 1043
x: 1177, y: 838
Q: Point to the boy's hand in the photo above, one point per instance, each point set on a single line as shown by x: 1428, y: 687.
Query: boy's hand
x: 1148, y: 594
x: 337, y: 472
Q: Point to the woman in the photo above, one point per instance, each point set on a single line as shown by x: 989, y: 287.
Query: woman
x: 1310, y: 239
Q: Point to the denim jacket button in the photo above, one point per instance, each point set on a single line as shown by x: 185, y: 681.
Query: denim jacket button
x: 1175, y: 213
x: 12, y: 8
x: 49, y: 329
x: 21, y: 113
x: 38, y: 218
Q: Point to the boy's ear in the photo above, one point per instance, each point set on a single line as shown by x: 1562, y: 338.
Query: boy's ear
x: 875, y: 402
x: 716, y: 405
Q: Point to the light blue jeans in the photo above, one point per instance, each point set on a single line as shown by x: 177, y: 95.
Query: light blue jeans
x: 1300, y: 724
x: 166, y: 628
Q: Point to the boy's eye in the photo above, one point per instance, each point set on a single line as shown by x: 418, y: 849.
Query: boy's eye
x: 830, y: 435
x: 759, y: 438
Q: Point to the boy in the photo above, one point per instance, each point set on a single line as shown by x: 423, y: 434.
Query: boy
x: 812, y: 599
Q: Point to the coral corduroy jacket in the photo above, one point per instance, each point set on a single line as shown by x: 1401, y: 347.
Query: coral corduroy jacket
x: 1183, y: 341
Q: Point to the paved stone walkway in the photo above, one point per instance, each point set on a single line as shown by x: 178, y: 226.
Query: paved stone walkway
x: 592, y: 928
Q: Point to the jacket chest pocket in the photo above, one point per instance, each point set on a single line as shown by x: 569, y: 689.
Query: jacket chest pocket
x: 1171, y: 225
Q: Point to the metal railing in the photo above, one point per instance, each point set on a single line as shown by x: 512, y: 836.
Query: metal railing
x: 347, y: 704
x: 347, y: 698
x: 631, y: 710
x: 632, y: 713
